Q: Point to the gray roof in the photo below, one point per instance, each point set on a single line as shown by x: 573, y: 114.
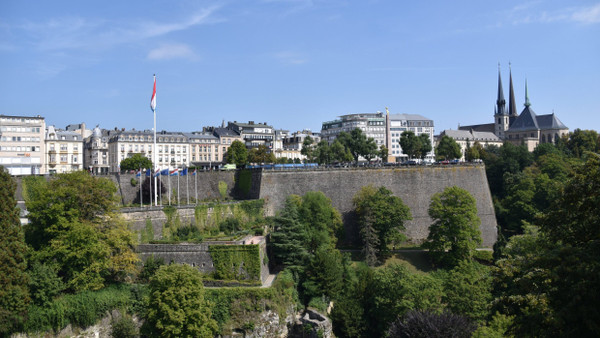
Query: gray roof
x: 527, y: 120
x: 471, y: 135
x: 220, y: 132
x: 550, y: 121
x: 409, y: 117
x: 487, y: 127
x: 201, y: 136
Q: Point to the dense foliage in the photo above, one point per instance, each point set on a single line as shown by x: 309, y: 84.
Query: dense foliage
x: 447, y: 148
x: 176, y: 306
x: 454, y: 234
x: 14, y: 295
x: 237, y: 153
x: 136, y: 162
x: 381, y: 217
x: 415, y: 146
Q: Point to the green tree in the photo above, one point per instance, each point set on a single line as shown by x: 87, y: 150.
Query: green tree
x: 323, y: 152
x: 176, y: 306
x: 383, y: 153
x: 289, y: 237
x: 396, y: 290
x: 68, y: 197
x: 73, y: 224
x: 339, y: 153
x: 237, y: 153
x: 358, y: 144
x: 411, y: 144
x: 447, y: 149
x: 425, y: 145
x: 381, y: 216
x: 473, y: 152
x: 581, y: 141
x: 324, y: 275
x: 468, y: 290
x: 135, y: 162
x: 454, y: 234
x: 574, y: 256
x: 308, y: 149
x: 322, y: 221
x: 44, y: 282
x: 260, y: 155
x: 14, y: 295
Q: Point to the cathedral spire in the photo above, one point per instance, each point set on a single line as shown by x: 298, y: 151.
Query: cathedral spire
x: 527, y: 103
x: 500, y: 102
x: 512, y: 106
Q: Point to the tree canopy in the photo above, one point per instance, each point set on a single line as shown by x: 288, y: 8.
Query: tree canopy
x: 136, y: 162
x: 177, y: 307
x: 447, y: 149
x: 261, y: 154
x: 237, y: 153
x: 415, y: 146
x: 358, y: 144
x: 454, y: 233
x: 14, y: 294
x: 381, y: 216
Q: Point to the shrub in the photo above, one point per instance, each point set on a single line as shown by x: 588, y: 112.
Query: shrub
x: 123, y: 327
x: 229, y: 225
x: 428, y: 324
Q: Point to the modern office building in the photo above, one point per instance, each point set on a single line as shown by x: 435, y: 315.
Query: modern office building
x: 22, y: 150
x: 399, y: 123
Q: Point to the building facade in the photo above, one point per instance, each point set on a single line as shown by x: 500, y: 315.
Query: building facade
x: 64, y: 151
x: 95, y: 154
x: 291, y: 145
x: 526, y: 128
x: 372, y: 125
x: 466, y: 138
x: 22, y: 146
x: 399, y: 123
x: 254, y: 134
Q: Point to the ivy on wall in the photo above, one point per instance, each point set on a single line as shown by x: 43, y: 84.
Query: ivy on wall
x: 236, y: 262
x: 244, y: 182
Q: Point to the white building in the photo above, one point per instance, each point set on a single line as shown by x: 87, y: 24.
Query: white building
x: 399, y: 123
x: 64, y: 151
x: 466, y: 138
x: 22, y: 144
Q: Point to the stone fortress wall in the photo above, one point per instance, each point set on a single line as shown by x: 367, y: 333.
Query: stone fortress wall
x: 414, y: 185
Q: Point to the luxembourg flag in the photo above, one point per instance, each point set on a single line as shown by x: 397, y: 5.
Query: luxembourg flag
x: 153, y: 99
x: 174, y: 172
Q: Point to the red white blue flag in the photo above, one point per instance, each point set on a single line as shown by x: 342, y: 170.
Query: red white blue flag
x: 153, y: 99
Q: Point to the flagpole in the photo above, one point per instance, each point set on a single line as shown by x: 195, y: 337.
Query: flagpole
x: 177, y: 187
x: 169, y: 176
x: 187, y: 186
x: 196, y: 183
x: 141, y: 187
x: 154, y: 151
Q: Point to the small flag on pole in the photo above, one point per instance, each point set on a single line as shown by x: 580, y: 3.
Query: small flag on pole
x: 157, y: 173
x: 153, y: 99
x: 148, y: 172
x: 138, y: 173
x: 174, y: 172
x: 194, y: 172
x: 164, y: 172
x: 183, y: 172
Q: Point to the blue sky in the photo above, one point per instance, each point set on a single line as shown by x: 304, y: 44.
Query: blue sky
x: 295, y: 63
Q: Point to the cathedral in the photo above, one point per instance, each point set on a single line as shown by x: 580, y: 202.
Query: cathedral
x: 526, y: 128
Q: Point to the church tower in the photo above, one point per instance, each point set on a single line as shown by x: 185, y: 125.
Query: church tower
x: 501, y: 117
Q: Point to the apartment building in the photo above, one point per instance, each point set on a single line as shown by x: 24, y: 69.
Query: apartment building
x: 95, y: 147
x: 22, y: 150
x: 399, y: 123
x: 292, y: 144
x: 64, y: 151
x: 254, y: 134
x: 204, y: 149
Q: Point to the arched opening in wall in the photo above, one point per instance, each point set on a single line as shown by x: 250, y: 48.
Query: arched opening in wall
x: 543, y: 138
x: 193, y: 264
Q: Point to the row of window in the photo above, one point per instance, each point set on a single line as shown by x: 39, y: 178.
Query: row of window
x: 20, y: 129
x: 21, y: 119
x: 19, y: 139
x: 63, y: 147
x: 17, y: 148
x: 64, y: 158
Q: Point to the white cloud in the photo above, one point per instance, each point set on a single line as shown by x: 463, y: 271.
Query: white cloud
x: 587, y: 15
x: 172, y: 51
x: 528, y: 13
x: 290, y: 58
x: 79, y: 33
